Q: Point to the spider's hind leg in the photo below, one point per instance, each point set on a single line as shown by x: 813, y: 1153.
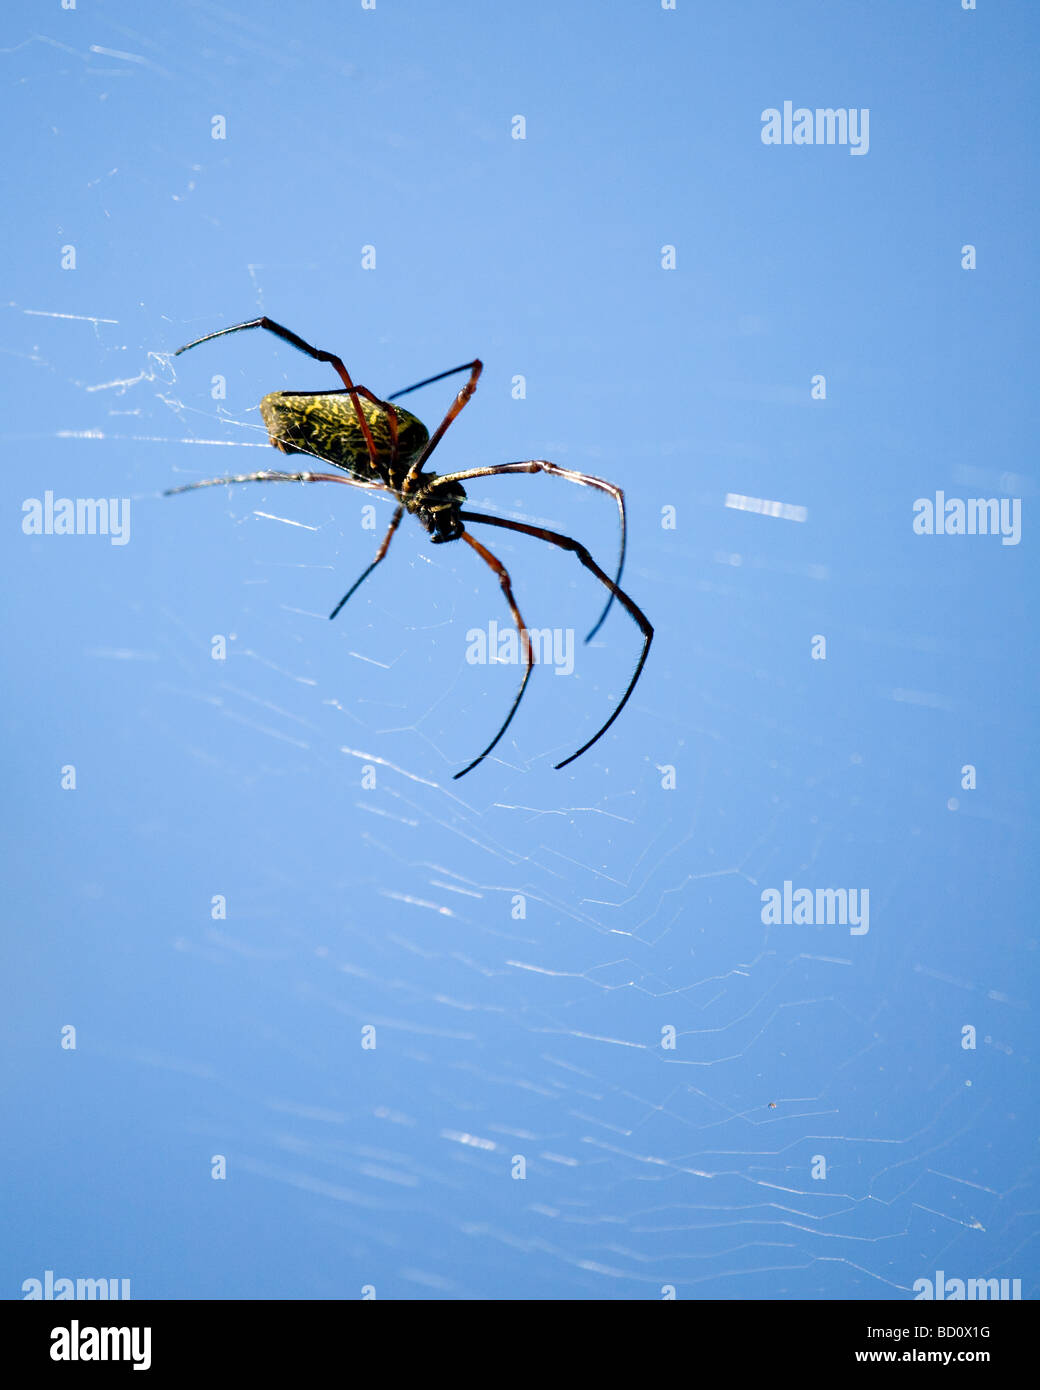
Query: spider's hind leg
x: 267, y: 475
x: 474, y: 368
x: 318, y: 354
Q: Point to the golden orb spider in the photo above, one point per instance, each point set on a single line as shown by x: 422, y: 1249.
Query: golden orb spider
x: 382, y: 447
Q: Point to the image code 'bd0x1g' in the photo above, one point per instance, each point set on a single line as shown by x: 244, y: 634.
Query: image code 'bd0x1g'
x: 382, y: 447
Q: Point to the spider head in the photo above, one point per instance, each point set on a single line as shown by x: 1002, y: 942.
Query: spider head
x: 438, y: 511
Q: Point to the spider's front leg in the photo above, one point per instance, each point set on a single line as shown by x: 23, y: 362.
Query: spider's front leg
x: 569, y: 475
x: 542, y: 533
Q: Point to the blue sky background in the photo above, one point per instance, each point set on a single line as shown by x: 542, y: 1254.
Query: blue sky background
x: 395, y: 905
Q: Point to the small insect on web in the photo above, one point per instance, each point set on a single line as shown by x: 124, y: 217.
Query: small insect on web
x: 382, y: 447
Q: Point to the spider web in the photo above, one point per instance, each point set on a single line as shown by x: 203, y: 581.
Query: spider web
x: 519, y: 943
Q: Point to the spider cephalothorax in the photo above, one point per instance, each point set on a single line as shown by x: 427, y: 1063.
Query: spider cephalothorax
x: 437, y: 507
x: 380, y: 446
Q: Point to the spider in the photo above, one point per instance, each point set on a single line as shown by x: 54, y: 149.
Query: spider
x: 382, y: 447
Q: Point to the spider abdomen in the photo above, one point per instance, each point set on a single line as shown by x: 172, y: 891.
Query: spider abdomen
x: 325, y: 425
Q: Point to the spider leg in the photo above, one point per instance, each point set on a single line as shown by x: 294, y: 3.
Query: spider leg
x: 475, y: 368
x: 525, y: 641
x: 568, y: 543
x: 429, y: 380
x: 554, y: 469
x: 319, y: 355
x: 267, y: 476
x: 394, y: 523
